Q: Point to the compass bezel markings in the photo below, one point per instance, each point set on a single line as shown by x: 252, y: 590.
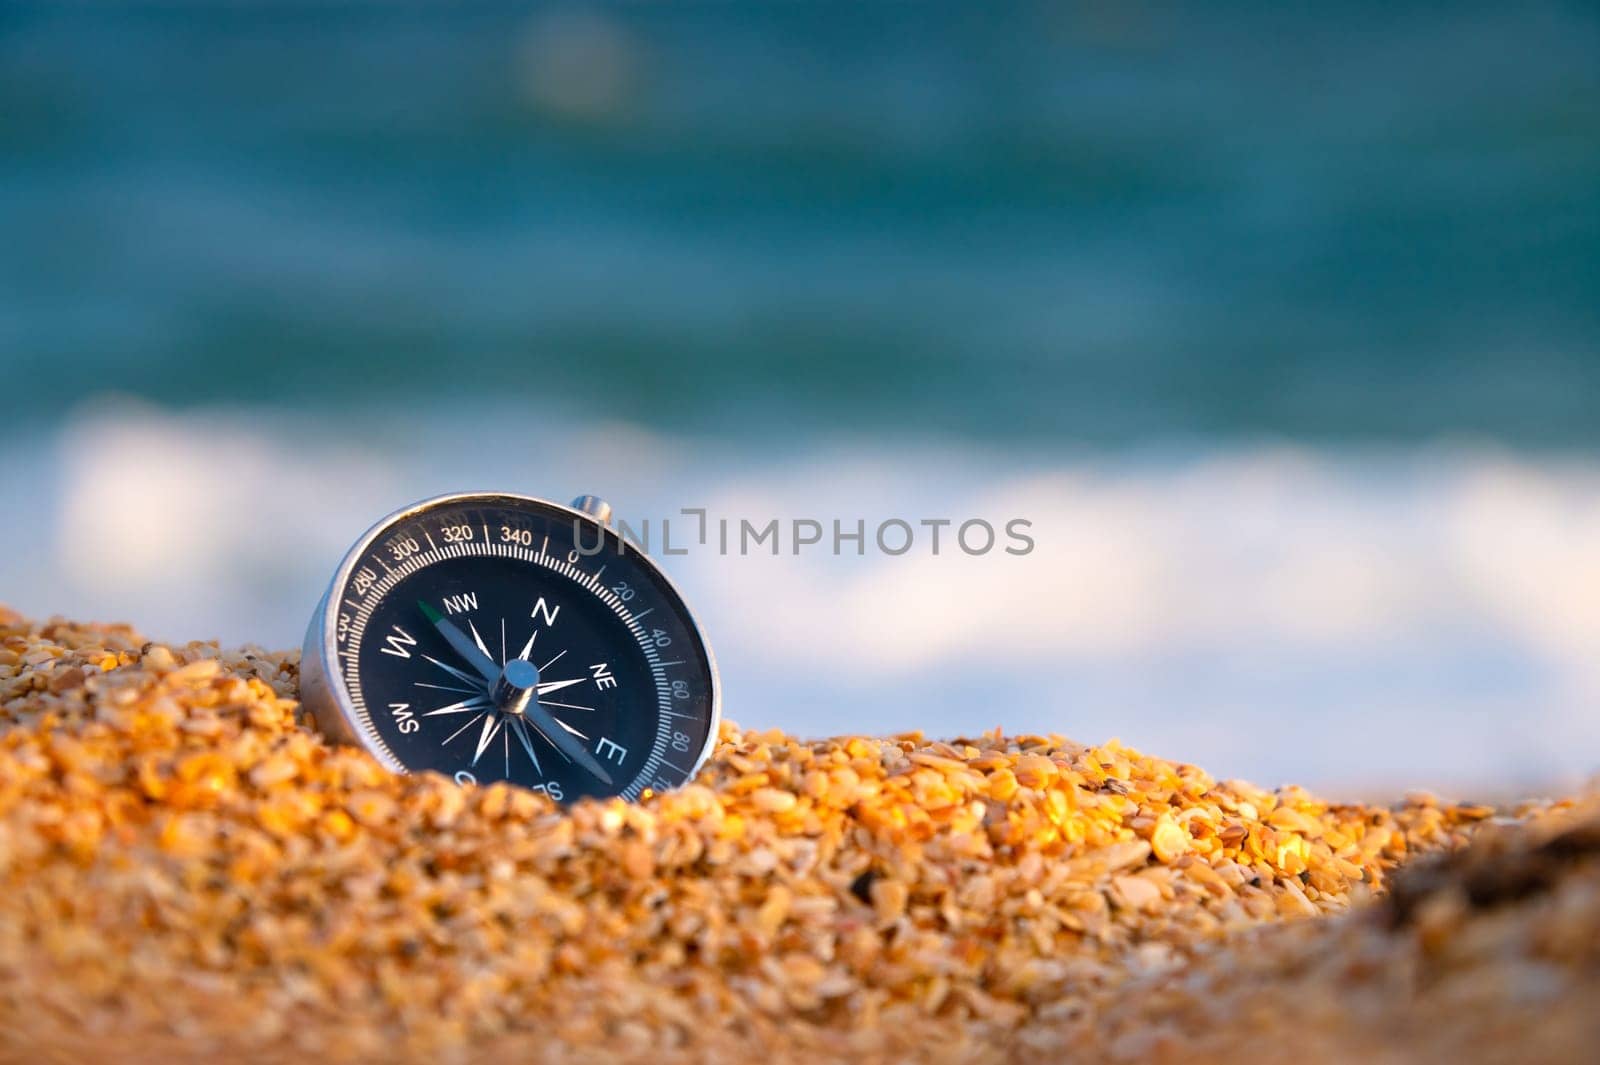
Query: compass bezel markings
x: 378, y: 593
x: 391, y: 550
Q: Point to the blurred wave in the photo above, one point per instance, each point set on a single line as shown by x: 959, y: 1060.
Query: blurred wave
x: 1280, y: 326
x: 1356, y: 619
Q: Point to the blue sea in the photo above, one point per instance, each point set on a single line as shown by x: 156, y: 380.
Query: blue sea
x: 1281, y: 329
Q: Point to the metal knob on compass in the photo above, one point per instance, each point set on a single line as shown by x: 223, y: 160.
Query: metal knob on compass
x: 595, y: 507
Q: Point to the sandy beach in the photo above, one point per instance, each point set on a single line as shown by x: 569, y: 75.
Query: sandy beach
x: 1105, y: 504
x: 189, y: 873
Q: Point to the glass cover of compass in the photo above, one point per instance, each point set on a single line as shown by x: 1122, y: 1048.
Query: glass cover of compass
x: 493, y: 637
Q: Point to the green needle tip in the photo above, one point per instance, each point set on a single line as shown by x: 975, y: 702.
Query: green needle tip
x: 428, y: 612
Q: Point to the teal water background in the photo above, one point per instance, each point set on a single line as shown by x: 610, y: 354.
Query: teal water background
x: 1283, y: 329
x: 1064, y: 224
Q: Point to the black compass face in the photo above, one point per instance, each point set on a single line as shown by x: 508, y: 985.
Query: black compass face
x: 494, y: 638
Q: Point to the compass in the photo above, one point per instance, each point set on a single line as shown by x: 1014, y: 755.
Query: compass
x: 496, y: 637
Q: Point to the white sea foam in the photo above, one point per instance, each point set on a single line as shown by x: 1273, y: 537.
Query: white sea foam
x: 1408, y: 618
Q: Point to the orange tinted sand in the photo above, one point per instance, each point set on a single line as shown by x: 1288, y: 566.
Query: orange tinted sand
x: 186, y: 872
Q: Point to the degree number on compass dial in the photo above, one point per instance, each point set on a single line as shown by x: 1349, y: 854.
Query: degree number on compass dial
x: 499, y: 638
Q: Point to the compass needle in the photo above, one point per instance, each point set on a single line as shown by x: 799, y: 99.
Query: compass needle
x: 520, y: 727
x: 565, y: 757
x: 467, y: 649
x: 396, y: 661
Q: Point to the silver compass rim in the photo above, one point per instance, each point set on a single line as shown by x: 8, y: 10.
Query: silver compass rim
x: 326, y: 681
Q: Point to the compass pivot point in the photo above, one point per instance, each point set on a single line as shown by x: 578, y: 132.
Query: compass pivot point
x: 517, y: 687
